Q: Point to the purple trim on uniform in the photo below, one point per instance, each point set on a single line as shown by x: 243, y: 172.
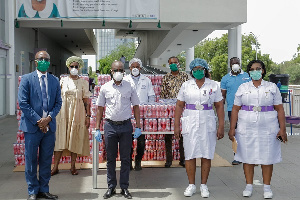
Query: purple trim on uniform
x: 193, y: 107
x: 263, y: 108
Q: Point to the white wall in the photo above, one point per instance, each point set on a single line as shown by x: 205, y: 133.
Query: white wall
x: 196, y: 11
x: 25, y: 41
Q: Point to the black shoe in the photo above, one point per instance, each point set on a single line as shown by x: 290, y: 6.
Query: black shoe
x: 32, y: 197
x: 235, y: 162
x: 126, y: 194
x: 137, y: 166
x: 168, y: 164
x: 182, y: 163
x: 109, y: 193
x: 46, y: 195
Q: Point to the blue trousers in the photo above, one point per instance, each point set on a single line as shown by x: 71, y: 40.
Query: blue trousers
x: 114, y: 135
x: 42, y: 143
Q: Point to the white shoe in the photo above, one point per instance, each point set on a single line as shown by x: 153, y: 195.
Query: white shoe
x: 268, y: 195
x: 190, y: 190
x: 204, y: 192
x: 247, y: 193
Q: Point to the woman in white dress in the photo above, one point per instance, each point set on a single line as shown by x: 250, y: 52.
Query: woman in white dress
x: 260, y: 119
x: 199, y: 132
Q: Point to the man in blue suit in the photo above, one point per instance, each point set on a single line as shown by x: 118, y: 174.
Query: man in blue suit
x: 40, y: 101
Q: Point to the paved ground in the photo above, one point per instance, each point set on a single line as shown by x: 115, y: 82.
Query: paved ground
x: 225, y: 183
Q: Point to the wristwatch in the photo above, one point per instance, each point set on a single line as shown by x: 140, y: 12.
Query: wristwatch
x: 50, y: 117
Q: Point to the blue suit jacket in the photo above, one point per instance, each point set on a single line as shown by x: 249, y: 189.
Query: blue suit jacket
x: 30, y: 101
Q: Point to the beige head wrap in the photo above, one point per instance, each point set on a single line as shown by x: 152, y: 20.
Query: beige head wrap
x: 74, y: 59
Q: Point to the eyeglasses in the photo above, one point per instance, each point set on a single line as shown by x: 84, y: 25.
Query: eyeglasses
x: 257, y: 69
x: 118, y: 70
x: 76, y: 66
x: 41, y: 59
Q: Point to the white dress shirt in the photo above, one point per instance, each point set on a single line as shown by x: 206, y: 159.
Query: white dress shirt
x: 46, y: 82
x: 118, y: 100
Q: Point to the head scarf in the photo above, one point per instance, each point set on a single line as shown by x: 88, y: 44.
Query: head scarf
x: 199, y: 62
x: 74, y: 59
x: 133, y: 60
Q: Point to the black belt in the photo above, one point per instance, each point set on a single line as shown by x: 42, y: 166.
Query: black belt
x: 117, y: 122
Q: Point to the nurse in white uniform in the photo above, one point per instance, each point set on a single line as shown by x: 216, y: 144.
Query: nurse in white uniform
x: 145, y: 92
x: 259, y: 112
x: 199, y: 132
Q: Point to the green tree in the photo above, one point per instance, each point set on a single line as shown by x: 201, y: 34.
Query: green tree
x: 128, y: 50
x: 215, y: 52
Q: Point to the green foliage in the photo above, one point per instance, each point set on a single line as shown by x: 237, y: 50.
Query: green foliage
x: 215, y: 52
x: 90, y: 71
x: 181, y: 58
x: 128, y: 50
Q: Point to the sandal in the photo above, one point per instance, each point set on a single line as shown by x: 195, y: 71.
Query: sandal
x: 74, y: 171
x: 54, y: 172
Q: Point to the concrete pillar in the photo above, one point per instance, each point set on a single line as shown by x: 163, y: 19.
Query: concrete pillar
x: 189, y: 57
x: 153, y: 61
x: 10, y: 38
x: 234, y: 43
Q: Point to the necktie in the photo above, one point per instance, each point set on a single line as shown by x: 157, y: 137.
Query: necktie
x: 44, y: 95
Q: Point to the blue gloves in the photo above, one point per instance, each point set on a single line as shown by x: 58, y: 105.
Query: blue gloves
x: 137, y: 133
x: 98, y: 136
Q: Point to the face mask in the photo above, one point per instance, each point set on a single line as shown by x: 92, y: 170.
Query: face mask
x: 174, y: 67
x: 74, y: 71
x: 43, y: 65
x: 135, y: 71
x: 236, y: 68
x: 198, y: 74
x: 256, y: 74
x: 118, y: 76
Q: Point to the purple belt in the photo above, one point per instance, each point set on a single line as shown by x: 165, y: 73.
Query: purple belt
x: 198, y: 107
x: 258, y: 108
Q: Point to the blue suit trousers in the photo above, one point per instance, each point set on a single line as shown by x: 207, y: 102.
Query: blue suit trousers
x: 39, y: 148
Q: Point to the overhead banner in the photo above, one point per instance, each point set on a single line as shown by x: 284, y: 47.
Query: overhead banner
x: 108, y: 9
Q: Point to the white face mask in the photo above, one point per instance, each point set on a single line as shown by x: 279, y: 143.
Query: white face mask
x: 118, y: 76
x: 135, y: 71
x: 74, y: 71
x: 236, y: 68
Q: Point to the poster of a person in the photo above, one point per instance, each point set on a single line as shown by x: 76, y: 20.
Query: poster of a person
x: 38, y: 9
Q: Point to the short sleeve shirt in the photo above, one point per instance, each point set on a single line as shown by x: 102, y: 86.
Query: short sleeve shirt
x: 118, y: 100
x: 231, y: 83
x: 171, y: 85
x: 267, y: 94
x: 209, y: 93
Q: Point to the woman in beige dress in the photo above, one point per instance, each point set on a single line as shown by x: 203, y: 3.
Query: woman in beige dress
x: 73, y: 120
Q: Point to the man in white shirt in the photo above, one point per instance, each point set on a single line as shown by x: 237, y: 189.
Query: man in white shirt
x: 145, y: 92
x: 117, y: 96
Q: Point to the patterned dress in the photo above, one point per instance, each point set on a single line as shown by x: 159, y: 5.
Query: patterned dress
x: 71, y: 133
x: 171, y: 85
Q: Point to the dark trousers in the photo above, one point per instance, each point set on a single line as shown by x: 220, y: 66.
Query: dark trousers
x: 44, y: 143
x: 168, y: 143
x: 140, y: 148
x: 114, y: 135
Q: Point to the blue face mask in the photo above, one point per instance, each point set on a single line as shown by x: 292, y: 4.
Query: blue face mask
x: 256, y: 74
